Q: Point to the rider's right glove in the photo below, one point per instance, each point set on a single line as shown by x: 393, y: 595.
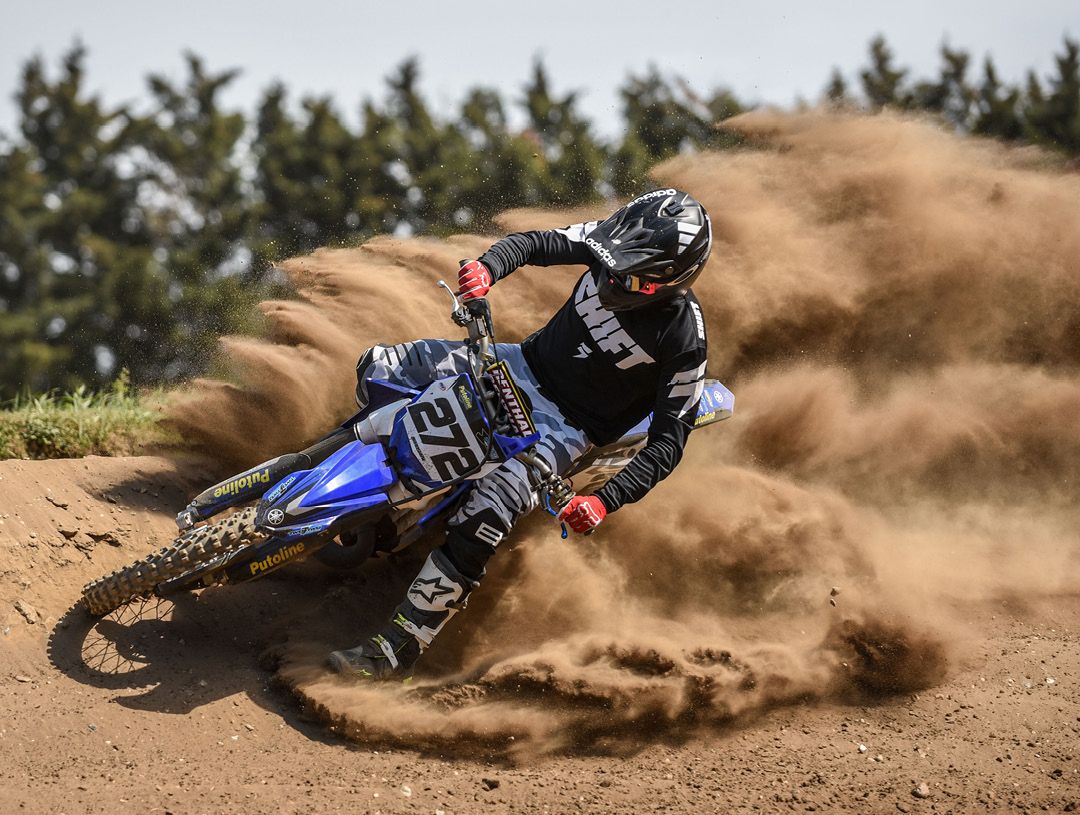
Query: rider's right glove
x: 474, y: 280
x: 584, y: 513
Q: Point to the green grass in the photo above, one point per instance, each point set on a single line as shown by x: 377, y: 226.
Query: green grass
x: 116, y: 422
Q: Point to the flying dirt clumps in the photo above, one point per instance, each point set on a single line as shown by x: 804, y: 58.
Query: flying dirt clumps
x: 898, y: 312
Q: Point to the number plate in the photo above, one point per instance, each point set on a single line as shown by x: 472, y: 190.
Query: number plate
x: 444, y: 433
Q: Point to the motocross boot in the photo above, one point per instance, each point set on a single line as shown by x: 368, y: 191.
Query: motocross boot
x: 389, y: 654
x: 436, y: 595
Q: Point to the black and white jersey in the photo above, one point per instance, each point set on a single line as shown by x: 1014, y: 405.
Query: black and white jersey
x: 608, y: 370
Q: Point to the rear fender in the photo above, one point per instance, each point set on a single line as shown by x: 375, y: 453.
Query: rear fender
x: 717, y: 403
x: 600, y: 464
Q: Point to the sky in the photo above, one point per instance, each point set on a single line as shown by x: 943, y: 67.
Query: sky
x: 774, y: 52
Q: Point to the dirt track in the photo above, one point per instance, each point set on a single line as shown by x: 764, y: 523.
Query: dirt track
x: 183, y: 714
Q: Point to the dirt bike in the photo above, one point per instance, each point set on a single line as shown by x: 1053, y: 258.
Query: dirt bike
x: 376, y: 483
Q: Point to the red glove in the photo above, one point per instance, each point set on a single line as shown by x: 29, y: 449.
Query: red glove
x: 584, y: 512
x: 473, y: 280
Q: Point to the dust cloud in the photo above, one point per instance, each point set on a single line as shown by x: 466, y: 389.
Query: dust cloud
x: 898, y: 312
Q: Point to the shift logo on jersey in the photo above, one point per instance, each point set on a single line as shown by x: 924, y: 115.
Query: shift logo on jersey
x: 602, y: 252
x: 689, y: 384
x: 604, y: 328
x: 699, y: 321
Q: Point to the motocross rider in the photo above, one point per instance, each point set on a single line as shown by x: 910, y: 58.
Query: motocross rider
x: 630, y: 340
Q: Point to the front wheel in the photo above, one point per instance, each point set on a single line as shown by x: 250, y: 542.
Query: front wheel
x: 192, y: 549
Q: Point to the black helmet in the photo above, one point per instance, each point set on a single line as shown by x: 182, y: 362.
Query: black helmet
x: 651, y: 249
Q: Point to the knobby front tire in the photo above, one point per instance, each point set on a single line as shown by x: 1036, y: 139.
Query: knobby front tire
x: 192, y: 549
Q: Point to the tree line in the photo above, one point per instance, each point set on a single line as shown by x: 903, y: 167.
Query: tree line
x: 132, y: 239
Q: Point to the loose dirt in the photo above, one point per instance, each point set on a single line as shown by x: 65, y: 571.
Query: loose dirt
x: 860, y: 593
x: 182, y: 709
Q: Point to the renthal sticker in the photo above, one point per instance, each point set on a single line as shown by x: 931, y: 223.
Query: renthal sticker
x: 511, y: 399
x: 271, y: 561
x: 243, y: 482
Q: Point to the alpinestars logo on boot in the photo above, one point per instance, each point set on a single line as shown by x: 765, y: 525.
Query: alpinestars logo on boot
x: 435, y: 589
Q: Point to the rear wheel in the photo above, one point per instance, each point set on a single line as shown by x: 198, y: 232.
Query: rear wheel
x: 189, y: 551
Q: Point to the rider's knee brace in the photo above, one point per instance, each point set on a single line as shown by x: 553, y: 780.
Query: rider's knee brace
x: 362, y: 368
x: 471, y: 542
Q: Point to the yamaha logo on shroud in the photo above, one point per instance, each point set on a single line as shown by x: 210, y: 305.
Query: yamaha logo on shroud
x: 274, y: 517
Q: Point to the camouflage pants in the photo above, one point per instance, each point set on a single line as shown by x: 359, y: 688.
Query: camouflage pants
x: 502, y: 496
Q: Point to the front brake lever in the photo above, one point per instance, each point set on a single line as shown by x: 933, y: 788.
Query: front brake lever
x: 460, y: 314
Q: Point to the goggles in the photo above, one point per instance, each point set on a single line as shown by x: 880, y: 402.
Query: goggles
x: 637, y: 285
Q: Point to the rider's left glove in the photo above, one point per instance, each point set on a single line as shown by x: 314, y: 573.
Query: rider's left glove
x: 583, y: 513
x: 474, y: 280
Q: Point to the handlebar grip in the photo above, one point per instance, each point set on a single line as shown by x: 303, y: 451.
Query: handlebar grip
x: 478, y: 306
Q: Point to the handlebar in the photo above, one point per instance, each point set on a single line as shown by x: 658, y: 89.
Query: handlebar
x: 475, y: 315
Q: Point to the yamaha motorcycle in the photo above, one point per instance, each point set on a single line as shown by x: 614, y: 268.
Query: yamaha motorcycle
x: 375, y: 484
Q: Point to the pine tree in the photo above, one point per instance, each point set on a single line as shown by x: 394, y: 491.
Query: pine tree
x: 200, y: 219
x: 74, y: 253
x: 950, y: 96
x: 882, y: 83
x: 836, y: 92
x: 662, y: 120
x: 506, y: 170
x: 997, y: 107
x: 574, y: 159
x: 28, y: 357
x: 313, y: 177
x: 1053, y: 115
